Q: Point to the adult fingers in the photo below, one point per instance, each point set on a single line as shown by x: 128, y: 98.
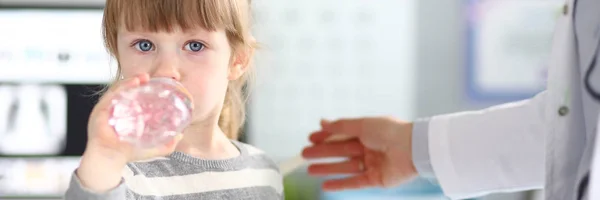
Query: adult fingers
x: 351, y: 127
x: 319, y: 136
x: 353, y: 182
x: 350, y: 166
x: 348, y: 148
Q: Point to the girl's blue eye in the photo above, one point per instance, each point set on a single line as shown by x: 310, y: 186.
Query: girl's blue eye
x: 194, y: 46
x: 144, y: 45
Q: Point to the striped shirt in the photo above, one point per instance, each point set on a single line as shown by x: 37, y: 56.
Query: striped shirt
x: 252, y: 175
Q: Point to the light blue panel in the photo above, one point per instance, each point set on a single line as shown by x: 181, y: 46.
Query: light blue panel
x: 507, y: 44
x: 419, y: 189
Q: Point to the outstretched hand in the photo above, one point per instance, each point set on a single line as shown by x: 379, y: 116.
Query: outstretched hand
x: 378, y: 154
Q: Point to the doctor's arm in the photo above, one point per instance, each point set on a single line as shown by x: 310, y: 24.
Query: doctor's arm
x: 473, y: 153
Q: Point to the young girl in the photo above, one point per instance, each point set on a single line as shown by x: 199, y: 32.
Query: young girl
x: 207, y: 46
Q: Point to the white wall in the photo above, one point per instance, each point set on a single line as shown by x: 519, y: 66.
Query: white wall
x: 328, y: 59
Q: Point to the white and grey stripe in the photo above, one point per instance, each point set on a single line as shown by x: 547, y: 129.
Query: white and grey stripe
x: 258, y: 192
x: 181, y: 164
x: 252, y: 175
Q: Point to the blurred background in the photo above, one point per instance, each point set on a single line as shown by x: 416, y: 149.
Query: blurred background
x: 319, y: 59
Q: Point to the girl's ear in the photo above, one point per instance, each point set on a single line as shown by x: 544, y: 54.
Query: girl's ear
x: 240, y: 63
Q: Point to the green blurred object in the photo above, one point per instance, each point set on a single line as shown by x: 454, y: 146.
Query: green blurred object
x: 299, y: 186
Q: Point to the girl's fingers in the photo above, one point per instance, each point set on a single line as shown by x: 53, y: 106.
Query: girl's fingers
x: 101, y: 109
x: 170, y: 147
x: 163, y: 150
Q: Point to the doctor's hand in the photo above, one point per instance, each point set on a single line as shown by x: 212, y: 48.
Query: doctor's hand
x: 378, y: 154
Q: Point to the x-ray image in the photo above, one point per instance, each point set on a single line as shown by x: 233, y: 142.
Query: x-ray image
x: 33, y: 119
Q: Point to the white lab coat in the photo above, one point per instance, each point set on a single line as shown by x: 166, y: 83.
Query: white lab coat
x: 531, y: 144
x: 595, y: 175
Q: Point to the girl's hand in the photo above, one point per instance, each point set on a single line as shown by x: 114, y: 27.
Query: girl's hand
x: 105, y: 155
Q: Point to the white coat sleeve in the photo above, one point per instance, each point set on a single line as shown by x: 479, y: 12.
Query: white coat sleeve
x: 594, y: 179
x: 498, y: 149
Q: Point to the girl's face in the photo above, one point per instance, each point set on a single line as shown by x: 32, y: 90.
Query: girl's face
x: 201, y: 60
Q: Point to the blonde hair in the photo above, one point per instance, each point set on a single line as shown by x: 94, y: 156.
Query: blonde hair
x: 232, y: 16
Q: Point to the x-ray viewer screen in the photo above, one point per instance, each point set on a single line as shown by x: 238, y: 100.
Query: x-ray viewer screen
x: 44, y: 119
x: 52, y: 61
